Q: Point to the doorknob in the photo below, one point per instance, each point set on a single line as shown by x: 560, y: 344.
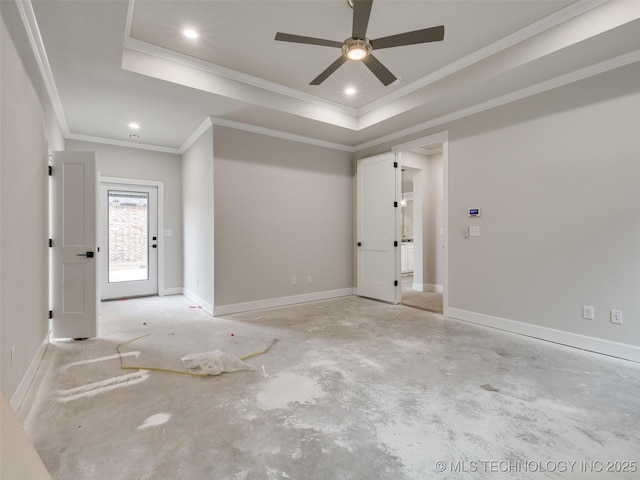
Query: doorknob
x: 88, y: 255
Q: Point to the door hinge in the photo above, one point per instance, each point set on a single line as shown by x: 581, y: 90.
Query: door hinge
x: 395, y: 204
x: 50, y: 170
x: 50, y: 314
x: 395, y: 283
x: 50, y: 242
x: 395, y: 243
x: 395, y: 164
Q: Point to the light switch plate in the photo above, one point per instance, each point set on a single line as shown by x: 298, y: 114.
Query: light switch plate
x: 588, y: 312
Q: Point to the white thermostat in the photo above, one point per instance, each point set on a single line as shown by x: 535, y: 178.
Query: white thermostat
x: 474, y: 212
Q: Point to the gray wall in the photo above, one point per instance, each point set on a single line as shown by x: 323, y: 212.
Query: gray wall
x: 24, y: 297
x: 282, y: 209
x: 557, y: 179
x: 556, y: 176
x: 197, y: 178
x: 434, y: 221
x: 134, y: 163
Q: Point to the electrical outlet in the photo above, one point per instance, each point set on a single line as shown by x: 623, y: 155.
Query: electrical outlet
x: 616, y: 317
x: 13, y: 354
x: 293, y: 281
x: 474, y: 231
x: 588, y: 312
x: 309, y: 279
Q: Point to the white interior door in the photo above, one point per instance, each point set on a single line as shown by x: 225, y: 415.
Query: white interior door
x: 74, y: 299
x: 128, y: 240
x: 378, y: 225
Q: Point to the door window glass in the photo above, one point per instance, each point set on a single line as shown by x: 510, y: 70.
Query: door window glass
x: 128, y: 236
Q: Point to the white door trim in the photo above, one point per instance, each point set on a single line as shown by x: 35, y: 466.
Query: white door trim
x: 430, y: 139
x: 133, y: 182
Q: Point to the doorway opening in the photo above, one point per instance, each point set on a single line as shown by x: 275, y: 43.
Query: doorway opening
x: 423, y: 224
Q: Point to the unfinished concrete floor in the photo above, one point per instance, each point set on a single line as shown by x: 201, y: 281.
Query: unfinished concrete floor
x: 353, y: 389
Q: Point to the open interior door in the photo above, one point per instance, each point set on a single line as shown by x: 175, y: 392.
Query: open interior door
x: 378, y: 217
x: 74, y: 245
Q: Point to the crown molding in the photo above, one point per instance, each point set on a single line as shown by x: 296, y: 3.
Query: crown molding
x: 542, y: 87
x: 581, y: 74
x: 214, y: 69
x: 172, y: 56
x: 195, y: 135
x: 28, y: 17
x: 519, y: 36
x: 280, y: 134
x: 532, y: 30
x: 27, y: 14
x: 122, y: 143
x: 129, y: 21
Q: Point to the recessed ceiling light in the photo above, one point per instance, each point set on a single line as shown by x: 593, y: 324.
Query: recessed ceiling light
x: 350, y: 91
x: 189, y: 33
x: 134, y: 126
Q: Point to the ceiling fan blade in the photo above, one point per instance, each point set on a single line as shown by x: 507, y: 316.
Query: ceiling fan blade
x: 329, y: 70
x: 361, y: 12
x: 433, y: 34
x: 287, y: 37
x: 379, y: 70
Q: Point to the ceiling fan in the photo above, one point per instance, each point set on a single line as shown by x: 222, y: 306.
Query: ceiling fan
x: 358, y: 47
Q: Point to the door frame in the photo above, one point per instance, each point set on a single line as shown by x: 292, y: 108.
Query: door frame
x: 436, y: 138
x: 132, y: 183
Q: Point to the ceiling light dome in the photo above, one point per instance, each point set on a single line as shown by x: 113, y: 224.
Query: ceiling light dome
x: 356, y: 49
x: 190, y: 33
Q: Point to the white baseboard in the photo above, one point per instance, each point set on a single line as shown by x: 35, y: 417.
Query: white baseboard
x: 206, y: 306
x: 29, y: 375
x: 427, y: 287
x: 583, y: 342
x: 280, y: 301
x: 170, y: 291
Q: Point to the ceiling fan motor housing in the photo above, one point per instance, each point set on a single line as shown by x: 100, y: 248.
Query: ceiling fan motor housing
x: 356, y: 48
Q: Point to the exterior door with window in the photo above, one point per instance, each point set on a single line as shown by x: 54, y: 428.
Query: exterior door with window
x: 128, y: 233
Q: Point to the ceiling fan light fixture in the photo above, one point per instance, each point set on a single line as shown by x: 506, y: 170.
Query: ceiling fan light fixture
x: 356, y: 49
